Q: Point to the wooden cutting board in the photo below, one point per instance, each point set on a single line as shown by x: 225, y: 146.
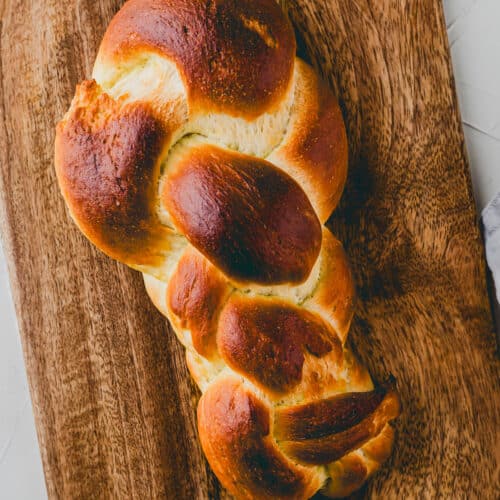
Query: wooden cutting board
x: 113, y: 401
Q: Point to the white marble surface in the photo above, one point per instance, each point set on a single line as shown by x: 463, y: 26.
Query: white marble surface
x: 473, y: 27
x: 21, y: 476
x: 474, y: 33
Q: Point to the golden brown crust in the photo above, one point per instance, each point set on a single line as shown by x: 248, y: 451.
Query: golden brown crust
x: 234, y: 428
x: 335, y: 295
x: 266, y: 339
x: 379, y: 449
x: 157, y: 292
x: 235, y: 56
x: 315, y: 148
x: 326, y: 447
x: 195, y: 295
x: 233, y: 240
x: 350, y: 472
x: 327, y: 416
x: 107, y: 163
x: 246, y: 216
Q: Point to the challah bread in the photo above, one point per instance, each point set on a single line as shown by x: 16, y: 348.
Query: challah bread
x: 207, y: 156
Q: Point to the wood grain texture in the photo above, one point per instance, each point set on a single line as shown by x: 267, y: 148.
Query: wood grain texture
x: 113, y: 400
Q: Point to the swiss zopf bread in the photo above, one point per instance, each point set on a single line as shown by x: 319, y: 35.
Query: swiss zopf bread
x: 207, y: 156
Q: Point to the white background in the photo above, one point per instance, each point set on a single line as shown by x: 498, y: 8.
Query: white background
x: 474, y: 32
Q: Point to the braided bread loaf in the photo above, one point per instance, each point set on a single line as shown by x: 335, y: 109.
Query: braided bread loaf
x: 207, y: 156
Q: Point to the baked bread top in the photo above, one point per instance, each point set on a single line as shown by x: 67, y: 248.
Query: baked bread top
x: 206, y: 155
